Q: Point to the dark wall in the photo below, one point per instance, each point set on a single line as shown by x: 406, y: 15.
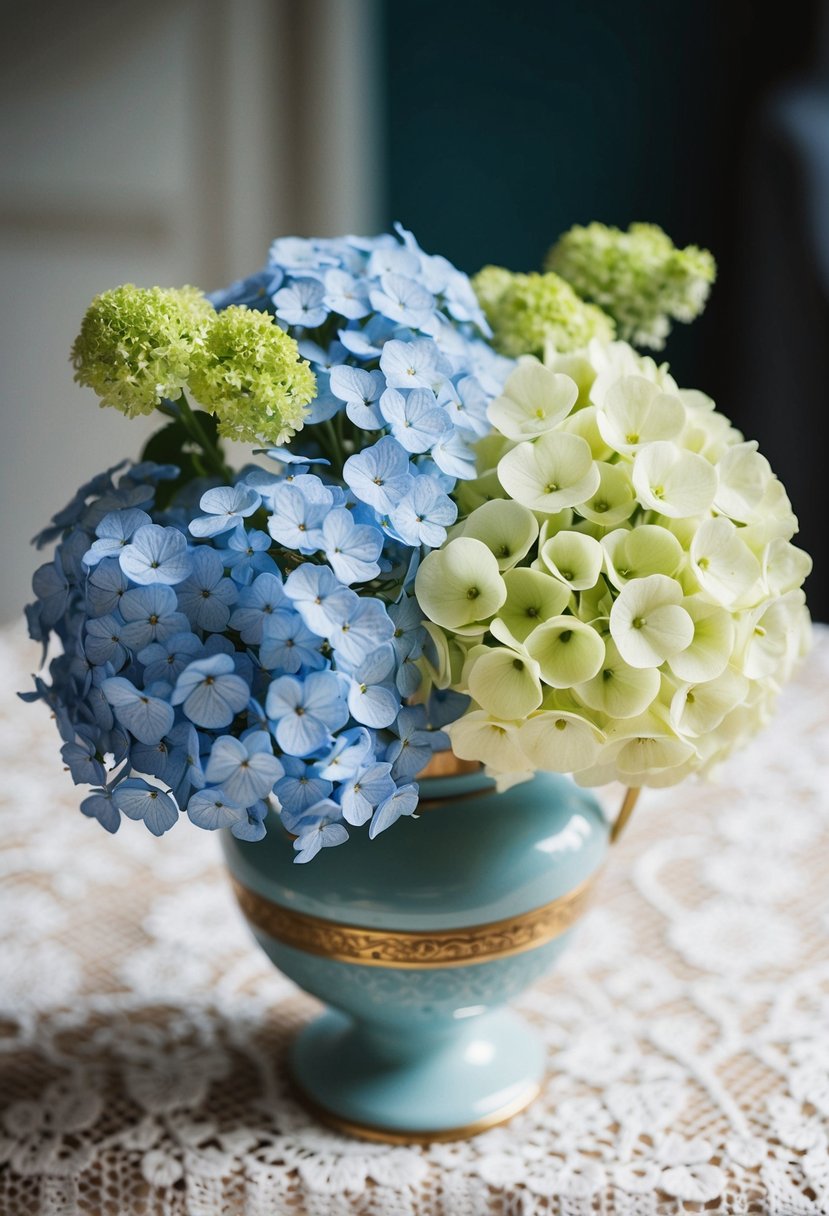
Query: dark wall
x: 508, y: 122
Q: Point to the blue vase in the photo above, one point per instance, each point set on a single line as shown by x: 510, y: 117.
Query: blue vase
x: 416, y: 941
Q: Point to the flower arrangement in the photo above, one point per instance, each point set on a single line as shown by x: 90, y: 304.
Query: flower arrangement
x: 568, y: 564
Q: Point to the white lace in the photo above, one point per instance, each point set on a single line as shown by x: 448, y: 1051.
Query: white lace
x: 141, y: 1031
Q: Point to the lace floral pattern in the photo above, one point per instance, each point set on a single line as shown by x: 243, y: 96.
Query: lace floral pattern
x: 141, y: 1031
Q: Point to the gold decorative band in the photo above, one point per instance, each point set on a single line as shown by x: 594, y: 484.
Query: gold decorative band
x: 418, y: 950
x: 366, y: 1131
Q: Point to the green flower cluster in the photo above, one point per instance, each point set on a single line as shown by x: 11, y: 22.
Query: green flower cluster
x: 639, y: 277
x: 136, y: 344
x: 534, y: 313
x: 249, y: 373
x: 141, y: 347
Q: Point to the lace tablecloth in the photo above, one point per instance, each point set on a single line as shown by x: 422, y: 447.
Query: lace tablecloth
x: 142, y: 1032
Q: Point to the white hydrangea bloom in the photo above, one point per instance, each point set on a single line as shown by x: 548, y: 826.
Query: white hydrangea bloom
x: 630, y: 609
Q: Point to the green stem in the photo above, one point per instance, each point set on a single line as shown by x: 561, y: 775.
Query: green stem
x: 192, y: 424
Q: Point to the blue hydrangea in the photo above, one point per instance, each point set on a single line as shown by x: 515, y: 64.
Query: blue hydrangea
x: 227, y: 646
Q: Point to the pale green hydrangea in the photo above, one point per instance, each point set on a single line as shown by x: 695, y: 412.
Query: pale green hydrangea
x: 639, y: 277
x: 136, y: 344
x: 531, y: 312
x: 250, y: 374
x: 620, y: 598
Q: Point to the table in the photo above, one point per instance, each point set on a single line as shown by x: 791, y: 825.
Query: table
x: 141, y: 1031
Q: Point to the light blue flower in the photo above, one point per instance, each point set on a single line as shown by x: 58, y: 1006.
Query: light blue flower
x: 466, y: 403
x: 210, y: 692
x: 379, y: 475
x: 252, y: 826
x: 351, y: 549
x: 362, y: 793
x: 263, y: 597
x: 415, y: 418
x: 402, y: 802
x: 402, y: 300
x: 246, y: 768
x: 424, y: 514
x: 288, y: 645
x: 114, y: 533
x: 304, y: 713
x: 301, y: 303
x: 352, y: 750
x: 323, y: 834
x: 320, y: 599
x: 167, y: 660
x: 146, y: 717
x: 156, y: 555
x: 51, y: 586
x: 393, y: 259
x: 104, y: 643
x: 205, y: 597
x: 417, y: 364
x: 226, y: 507
x: 299, y: 253
x: 99, y: 806
x: 82, y: 761
x: 412, y: 750
x: 301, y: 788
x: 137, y: 799
x: 453, y: 456
x: 299, y: 510
x: 150, y: 615
x: 213, y: 809
x: 247, y: 555
x: 361, y: 391
x: 359, y: 631
x: 368, y: 341
x: 345, y: 295
x: 372, y: 697
x: 409, y: 634
x: 254, y: 292
x: 105, y: 586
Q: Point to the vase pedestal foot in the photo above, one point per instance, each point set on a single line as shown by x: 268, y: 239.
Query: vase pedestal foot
x: 402, y: 1085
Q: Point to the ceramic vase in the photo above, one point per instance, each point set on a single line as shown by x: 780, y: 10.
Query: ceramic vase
x: 417, y: 940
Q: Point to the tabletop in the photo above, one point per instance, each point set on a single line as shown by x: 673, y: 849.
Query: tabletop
x: 142, y: 1032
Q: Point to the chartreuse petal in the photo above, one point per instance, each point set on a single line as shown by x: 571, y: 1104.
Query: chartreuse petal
x: 567, y: 651
x: 708, y: 652
x: 556, y: 471
x: 673, y: 482
x: 638, y: 552
x: 532, y: 598
x: 614, y: 501
x: 506, y: 528
x: 647, y: 623
x: 504, y: 683
x: 785, y: 567
x: 697, y: 709
x: 559, y: 742
x: 585, y: 423
x: 725, y: 567
x: 644, y: 746
x: 618, y: 690
x: 534, y: 400
x: 594, y: 604
x: 580, y: 370
x: 478, y: 736
x: 574, y: 558
x: 635, y: 412
x: 460, y: 584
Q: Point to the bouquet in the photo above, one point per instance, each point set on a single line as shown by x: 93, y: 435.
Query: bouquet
x: 479, y: 519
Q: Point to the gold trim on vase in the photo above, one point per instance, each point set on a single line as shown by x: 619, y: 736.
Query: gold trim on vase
x: 419, y: 949
x: 381, y: 1135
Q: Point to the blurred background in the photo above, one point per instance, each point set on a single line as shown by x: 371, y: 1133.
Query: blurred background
x: 170, y: 142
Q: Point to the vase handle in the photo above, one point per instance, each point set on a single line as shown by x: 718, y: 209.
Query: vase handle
x: 628, y: 803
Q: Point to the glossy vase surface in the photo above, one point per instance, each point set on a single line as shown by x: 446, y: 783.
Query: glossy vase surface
x: 416, y: 940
